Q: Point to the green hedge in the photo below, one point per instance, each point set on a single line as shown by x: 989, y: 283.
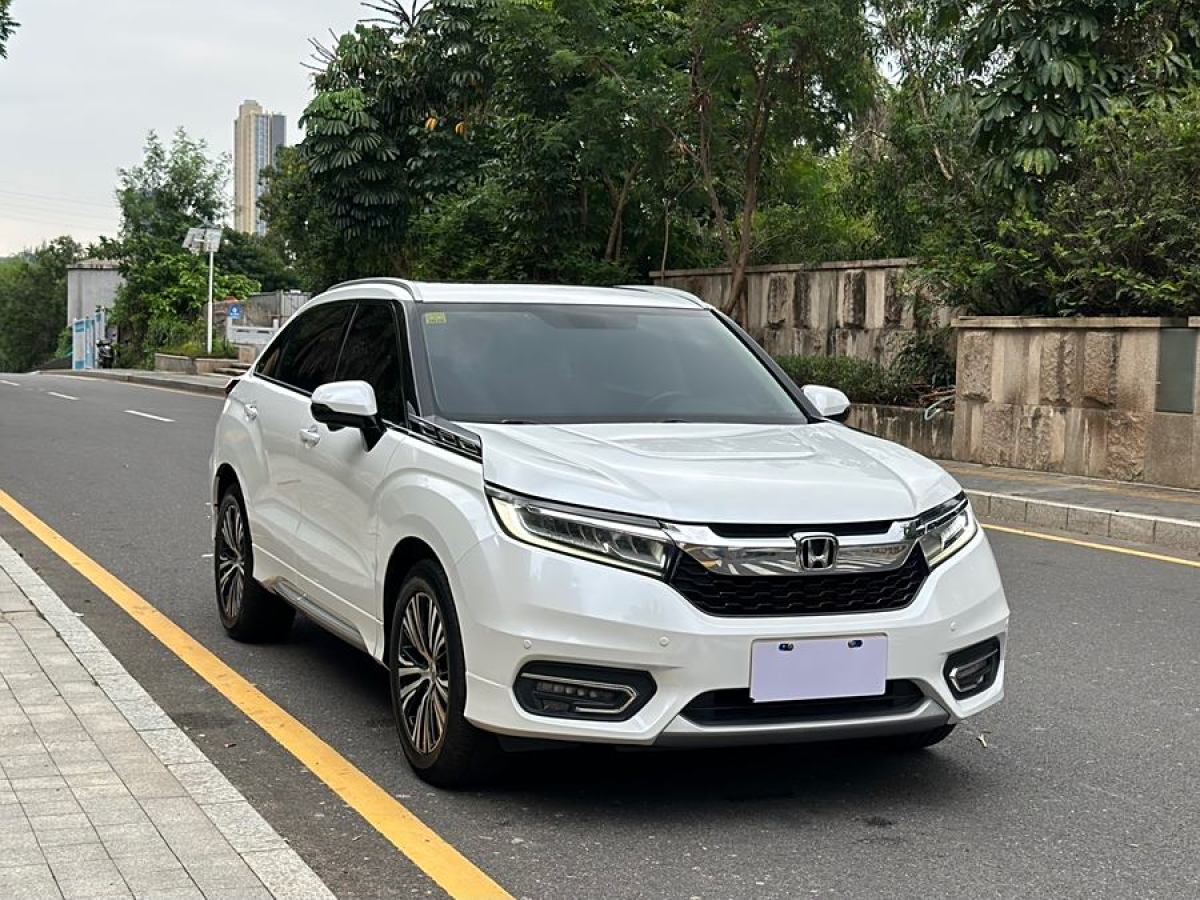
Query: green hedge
x: 863, y: 381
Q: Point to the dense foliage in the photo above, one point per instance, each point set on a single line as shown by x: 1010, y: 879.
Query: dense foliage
x: 7, y: 26
x: 163, y: 300
x: 33, y: 303
x: 599, y: 140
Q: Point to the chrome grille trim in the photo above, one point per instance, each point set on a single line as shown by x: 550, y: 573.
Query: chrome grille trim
x: 856, y: 554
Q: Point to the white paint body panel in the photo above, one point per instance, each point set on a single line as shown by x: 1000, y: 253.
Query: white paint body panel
x: 326, y: 519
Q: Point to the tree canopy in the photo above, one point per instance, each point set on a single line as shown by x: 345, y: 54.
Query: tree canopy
x: 7, y: 26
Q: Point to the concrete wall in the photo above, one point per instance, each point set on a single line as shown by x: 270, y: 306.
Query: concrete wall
x: 907, y: 426
x: 862, y: 309
x: 1072, y: 395
x: 91, y: 283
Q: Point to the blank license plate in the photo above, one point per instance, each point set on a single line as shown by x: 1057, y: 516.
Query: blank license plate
x: 818, y: 668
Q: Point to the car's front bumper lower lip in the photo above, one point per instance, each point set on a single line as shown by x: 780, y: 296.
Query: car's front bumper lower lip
x: 528, y: 604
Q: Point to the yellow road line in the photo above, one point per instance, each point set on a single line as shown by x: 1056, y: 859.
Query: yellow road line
x: 452, y: 871
x: 1158, y: 557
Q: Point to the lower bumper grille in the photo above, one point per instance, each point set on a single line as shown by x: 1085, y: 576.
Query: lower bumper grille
x: 734, y: 707
x: 799, y: 595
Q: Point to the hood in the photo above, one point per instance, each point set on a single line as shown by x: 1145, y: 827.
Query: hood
x: 714, y: 474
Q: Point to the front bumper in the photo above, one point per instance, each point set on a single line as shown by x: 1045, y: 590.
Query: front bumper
x: 522, y: 604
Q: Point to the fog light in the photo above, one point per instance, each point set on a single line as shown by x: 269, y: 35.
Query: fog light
x: 565, y: 690
x: 973, y: 669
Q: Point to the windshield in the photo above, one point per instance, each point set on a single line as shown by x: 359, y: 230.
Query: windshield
x: 535, y: 363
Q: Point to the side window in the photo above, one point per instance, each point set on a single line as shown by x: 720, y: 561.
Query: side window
x: 371, y: 355
x: 310, y: 353
x: 268, y: 365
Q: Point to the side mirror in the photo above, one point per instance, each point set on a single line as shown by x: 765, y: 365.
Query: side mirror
x: 348, y: 404
x: 829, y: 402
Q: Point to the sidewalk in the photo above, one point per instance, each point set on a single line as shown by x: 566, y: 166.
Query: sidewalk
x: 1141, y: 513
x: 200, y: 384
x: 101, y: 794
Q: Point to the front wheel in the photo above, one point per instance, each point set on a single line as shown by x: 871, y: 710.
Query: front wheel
x: 429, y: 685
x: 248, y: 611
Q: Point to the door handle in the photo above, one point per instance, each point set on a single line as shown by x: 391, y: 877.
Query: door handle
x: 251, y: 411
x: 310, y: 436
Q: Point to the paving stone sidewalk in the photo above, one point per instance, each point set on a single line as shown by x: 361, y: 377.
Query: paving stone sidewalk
x: 1139, y: 513
x: 101, y: 795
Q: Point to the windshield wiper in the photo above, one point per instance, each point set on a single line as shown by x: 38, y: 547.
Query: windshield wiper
x: 519, y: 422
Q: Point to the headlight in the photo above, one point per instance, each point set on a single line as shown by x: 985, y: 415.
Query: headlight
x: 627, y: 542
x: 945, y: 530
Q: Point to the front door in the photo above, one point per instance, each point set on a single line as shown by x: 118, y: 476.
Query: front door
x: 342, y: 479
x: 307, y: 357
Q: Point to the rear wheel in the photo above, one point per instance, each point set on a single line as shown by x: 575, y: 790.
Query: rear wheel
x: 429, y: 688
x: 249, y: 612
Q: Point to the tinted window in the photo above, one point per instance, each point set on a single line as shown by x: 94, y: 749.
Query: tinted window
x: 559, y: 363
x: 371, y: 355
x: 269, y: 362
x: 310, y: 353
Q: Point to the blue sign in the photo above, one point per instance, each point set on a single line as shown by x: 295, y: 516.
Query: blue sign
x: 235, y: 312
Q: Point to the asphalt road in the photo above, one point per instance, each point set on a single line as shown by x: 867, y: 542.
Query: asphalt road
x: 1086, y: 782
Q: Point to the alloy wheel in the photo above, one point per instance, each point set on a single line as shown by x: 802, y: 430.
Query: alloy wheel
x: 423, y: 673
x: 231, y: 561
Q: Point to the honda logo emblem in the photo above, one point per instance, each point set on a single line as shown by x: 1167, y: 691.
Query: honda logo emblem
x: 816, y: 552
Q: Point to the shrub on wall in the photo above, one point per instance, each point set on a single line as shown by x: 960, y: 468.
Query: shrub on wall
x: 1120, y: 236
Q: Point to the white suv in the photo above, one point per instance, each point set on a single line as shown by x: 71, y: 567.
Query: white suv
x: 594, y: 514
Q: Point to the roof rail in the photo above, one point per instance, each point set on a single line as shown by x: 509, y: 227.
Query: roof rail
x: 662, y: 289
x: 410, y: 286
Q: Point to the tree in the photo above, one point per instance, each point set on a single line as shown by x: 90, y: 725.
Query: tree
x: 754, y: 80
x: 1041, y: 70
x: 173, y: 189
x: 33, y: 303
x: 7, y: 26
x: 257, y: 257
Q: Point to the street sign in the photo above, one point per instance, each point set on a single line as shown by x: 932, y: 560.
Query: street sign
x: 235, y: 312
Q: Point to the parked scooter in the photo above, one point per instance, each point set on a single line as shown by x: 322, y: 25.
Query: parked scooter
x: 104, y: 354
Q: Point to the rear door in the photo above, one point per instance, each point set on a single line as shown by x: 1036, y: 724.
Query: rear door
x: 342, y: 478
x: 307, y: 357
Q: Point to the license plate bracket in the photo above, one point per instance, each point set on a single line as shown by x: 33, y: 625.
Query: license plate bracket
x: 818, y: 668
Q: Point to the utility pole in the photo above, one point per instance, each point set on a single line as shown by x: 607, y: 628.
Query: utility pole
x: 205, y: 239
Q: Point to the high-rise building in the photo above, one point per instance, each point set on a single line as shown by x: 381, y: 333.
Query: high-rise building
x: 257, y: 137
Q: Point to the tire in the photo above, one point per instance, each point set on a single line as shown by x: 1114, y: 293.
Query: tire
x: 427, y: 673
x: 918, y: 740
x: 248, y: 611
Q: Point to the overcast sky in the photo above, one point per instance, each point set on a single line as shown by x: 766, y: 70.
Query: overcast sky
x: 86, y: 79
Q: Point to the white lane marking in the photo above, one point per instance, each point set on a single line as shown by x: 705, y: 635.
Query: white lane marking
x: 63, y: 396
x: 9, y: 383
x: 134, y: 412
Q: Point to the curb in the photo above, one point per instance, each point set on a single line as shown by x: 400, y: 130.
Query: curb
x: 212, y: 390
x: 1158, y: 531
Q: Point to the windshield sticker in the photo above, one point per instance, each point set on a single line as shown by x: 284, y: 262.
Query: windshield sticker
x: 435, y: 318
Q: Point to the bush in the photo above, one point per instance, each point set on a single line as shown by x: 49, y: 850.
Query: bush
x: 1118, y: 236
x: 197, y: 348
x: 862, y: 380
x: 923, y: 364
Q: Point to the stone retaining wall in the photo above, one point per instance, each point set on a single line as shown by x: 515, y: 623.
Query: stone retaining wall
x: 861, y: 309
x: 1079, y: 396
x: 906, y: 426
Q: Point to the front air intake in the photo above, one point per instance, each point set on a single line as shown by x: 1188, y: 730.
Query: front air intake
x: 973, y: 669
x: 570, y: 691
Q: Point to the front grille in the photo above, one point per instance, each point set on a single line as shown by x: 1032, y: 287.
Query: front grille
x: 734, y: 707
x: 797, y: 595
